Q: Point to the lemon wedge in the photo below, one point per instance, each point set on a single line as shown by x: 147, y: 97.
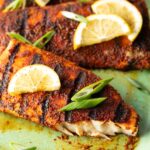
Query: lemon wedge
x: 125, y: 10
x: 99, y: 28
x: 42, y: 3
x: 34, y: 78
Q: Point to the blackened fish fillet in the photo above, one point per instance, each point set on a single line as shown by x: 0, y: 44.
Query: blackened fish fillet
x: 118, y: 53
x: 111, y: 117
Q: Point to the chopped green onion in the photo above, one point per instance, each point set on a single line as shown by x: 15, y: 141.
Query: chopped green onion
x: 139, y: 85
x: 18, y: 37
x: 83, y: 100
x: 84, y: 1
x: 16, y: 4
x: 84, y: 104
x: 88, y: 91
x: 41, y: 42
x: 74, y: 16
x: 31, y: 148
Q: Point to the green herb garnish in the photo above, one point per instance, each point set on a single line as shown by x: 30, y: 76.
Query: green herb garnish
x: 88, y: 91
x: 83, y: 99
x: 16, y: 4
x: 31, y: 148
x: 74, y: 16
x: 84, y: 104
x: 41, y: 42
x: 84, y: 1
x: 139, y: 85
x: 18, y: 37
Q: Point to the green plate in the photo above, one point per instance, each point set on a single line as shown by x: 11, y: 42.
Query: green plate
x: 18, y: 134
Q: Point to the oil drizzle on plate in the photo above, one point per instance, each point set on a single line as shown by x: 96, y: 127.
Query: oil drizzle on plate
x: 120, y: 142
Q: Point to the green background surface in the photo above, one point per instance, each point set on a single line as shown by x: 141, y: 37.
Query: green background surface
x: 26, y: 134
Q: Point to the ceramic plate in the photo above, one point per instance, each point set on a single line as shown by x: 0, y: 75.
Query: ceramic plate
x: 17, y: 133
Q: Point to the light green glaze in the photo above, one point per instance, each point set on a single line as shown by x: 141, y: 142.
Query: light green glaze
x: 29, y: 134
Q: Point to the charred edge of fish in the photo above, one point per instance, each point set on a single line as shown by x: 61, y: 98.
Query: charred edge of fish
x: 45, y: 106
x: 122, y: 113
x: 92, y: 114
x: 131, y: 64
x: 4, y: 82
x: 36, y: 59
x: 78, y: 81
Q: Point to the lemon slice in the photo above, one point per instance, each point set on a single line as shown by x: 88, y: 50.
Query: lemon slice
x: 124, y: 9
x: 34, y: 78
x: 99, y: 28
x: 42, y: 3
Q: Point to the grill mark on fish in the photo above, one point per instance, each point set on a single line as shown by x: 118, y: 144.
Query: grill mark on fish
x: 77, y: 83
x: 48, y: 23
x: 4, y: 82
x: 23, y: 104
x: 45, y: 106
x: 58, y: 69
x: 45, y: 103
x: 45, y: 19
x: 23, y: 25
x: 36, y: 59
x: 47, y: 26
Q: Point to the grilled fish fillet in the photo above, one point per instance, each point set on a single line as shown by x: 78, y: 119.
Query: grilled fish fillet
x: 110, y: 117
x: 118, y: 53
